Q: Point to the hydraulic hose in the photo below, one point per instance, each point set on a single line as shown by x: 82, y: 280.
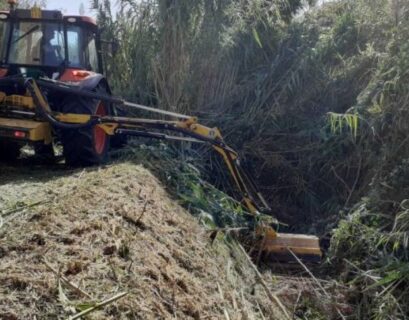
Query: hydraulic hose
x: 41, y: 108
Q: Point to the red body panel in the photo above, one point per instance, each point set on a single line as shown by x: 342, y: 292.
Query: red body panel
x: 75, y: 75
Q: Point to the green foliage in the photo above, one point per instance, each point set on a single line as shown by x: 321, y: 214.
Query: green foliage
x: 213, y: 207
x: 290, y: 90
x: 339, y: 120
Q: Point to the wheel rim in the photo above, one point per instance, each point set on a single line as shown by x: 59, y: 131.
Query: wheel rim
x: 100, y: 137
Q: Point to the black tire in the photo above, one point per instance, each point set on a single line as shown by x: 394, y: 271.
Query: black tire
x: 118, y: 141
x: 45, y: 152
x: 83, y: 147
x: 9, y: 151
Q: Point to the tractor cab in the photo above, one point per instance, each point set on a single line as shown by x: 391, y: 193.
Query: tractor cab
x: 45, y: 43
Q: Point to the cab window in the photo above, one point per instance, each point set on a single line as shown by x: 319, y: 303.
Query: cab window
x: 74, y: 48
x: 82, y: 51
x: 37, y: 43
x: 92, y: 52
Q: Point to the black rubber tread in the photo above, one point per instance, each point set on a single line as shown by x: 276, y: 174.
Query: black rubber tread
x: 78, y: 144
x: 45, y: 152
x: 118, y: 141
x: 9, y: 151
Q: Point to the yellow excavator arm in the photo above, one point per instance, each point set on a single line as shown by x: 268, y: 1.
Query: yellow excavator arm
x: 278, y: 246
x: 186, y: 125
x: 231, y: 159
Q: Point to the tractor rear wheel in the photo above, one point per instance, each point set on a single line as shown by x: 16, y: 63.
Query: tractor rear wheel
x: 9, y: 151
x: 89, y: 146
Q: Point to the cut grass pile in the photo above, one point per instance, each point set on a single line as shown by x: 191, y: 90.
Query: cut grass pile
x: 112, y: 230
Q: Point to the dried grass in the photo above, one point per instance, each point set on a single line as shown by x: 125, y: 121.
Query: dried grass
x: 93, y: 231
x: 110, y: 230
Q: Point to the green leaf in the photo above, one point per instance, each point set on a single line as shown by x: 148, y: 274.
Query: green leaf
x: 390, y: 277
x: 85, y: 305
x: 257, y: 38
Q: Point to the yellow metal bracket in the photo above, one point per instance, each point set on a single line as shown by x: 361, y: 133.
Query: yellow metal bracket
x: 36, y: 12
x: 73, y: 118
x: 20, y: 101
x: 17, y: 101
x: 109, y: 128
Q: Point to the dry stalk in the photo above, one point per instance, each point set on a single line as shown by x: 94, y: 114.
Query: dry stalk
x: 260, y: 311
x: 273, y: 298
x: 246, y: 309
x: 226, y: 313
x: 342, y: 180
x: 98, y: 306
x: 81, y: 174
x: 310, y: 273
x: 297, y: 301
x: 135, y: 222
x: 358, y: 175
x: 143, y: 212
x: 315, y: 279
x: 226, y: 229
x: 68, y: 282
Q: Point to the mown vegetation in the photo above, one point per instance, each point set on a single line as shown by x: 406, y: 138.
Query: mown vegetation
x: 314, y: 96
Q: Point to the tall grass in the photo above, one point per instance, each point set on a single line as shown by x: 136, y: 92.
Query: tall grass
x: 316, y: 101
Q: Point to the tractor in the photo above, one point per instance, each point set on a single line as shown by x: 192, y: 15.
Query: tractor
x: 41, y: 43
x: 52, y: 88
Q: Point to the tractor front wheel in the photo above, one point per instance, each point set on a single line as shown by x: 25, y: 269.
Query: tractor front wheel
x: 88, y: 146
